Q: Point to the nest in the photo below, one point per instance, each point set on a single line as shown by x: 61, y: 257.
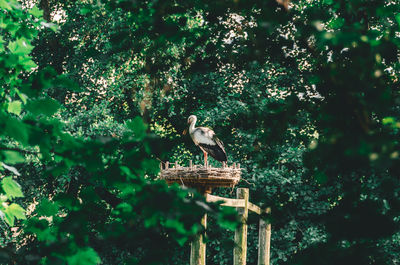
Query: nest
x: 202, y: 176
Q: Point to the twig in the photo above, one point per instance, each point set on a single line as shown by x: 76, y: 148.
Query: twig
x: 248, y: 182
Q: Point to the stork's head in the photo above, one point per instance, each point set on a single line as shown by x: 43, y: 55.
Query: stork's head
x: 191, y: 119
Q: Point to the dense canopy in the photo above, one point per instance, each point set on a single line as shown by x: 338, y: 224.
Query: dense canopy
x: 95, y: 94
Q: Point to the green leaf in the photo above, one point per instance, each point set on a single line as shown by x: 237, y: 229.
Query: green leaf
x: 27, y: 63
x: 2, y: 44
x: 47, y: 208
x: 85, y: 256
x: 388, y: 120
x: 12, y: 157
x: 16, y: 129
x: 11, y: 188
x: 175, y: 224
x: 5, y: 5
x: 337, y: 23
x: 138, y: 127
x: 36, y: 11
x: 14, y: 107
x: 20, y: 47
x: 13, y: 211
x: 21, y: 96
x: 46, y: 106
x: 17, y: 211
x: 124, y: 207
x: 85, y: 10
x: 182, y: 240
x: 9, y: 218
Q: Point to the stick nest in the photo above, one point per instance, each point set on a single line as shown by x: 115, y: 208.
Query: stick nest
x: 202, y: 176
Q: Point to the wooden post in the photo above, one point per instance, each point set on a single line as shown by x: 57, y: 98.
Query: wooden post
x: 198, y: 247
x: 240, y: 250
x: 190, y: 164
x: 264, y: 241
x: 166, y: 165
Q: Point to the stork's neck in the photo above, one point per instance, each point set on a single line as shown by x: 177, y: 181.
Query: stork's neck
x: 191, y: 126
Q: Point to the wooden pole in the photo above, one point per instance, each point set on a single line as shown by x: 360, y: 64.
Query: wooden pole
x: 264, y: 241
x: 198, y: 247
x: 240, y: 249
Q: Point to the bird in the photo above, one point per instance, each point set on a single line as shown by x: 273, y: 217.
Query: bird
x: 207, y: 141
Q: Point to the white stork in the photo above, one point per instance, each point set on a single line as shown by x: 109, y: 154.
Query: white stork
x: 206, y: 139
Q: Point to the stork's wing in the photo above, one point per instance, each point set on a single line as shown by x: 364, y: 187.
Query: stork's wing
x: 219, y: 143
x: 216, y: 150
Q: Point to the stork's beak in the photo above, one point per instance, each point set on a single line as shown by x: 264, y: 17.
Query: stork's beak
x: 184, y: 132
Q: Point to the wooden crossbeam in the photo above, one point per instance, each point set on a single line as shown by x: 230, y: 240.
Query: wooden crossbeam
x: 226, y: 201
x: 254, y: 208
x: 239, y: 203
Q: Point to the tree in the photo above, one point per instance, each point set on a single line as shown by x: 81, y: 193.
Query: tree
x: 303, y: 94
x: 90, y: 192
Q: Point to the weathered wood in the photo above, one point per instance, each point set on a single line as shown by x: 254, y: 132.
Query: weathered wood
x: 227, y: 201
x: 198, y: 247
x: 264, y: 241
x: 239, y: 203
x: 254, y: 208
x: 201, y: 177
x: 166, y: 165
x: 190, y: 164
x: 240, y: 249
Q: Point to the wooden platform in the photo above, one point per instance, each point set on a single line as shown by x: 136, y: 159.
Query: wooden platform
x: 198, y: 176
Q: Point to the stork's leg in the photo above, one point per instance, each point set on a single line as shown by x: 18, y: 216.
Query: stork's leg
x: 205, y: 159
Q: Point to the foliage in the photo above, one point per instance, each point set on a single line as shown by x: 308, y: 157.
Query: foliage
x: 97, y: 189
x: 303, y: 94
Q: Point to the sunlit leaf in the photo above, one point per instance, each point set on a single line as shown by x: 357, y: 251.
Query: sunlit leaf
x: 20, y: 46
x: 12, y: 157
x: 17, y: 211
x: 36, y: 11
x: 11, y: 188
x: 14, y: 107
x: 4, y: 4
